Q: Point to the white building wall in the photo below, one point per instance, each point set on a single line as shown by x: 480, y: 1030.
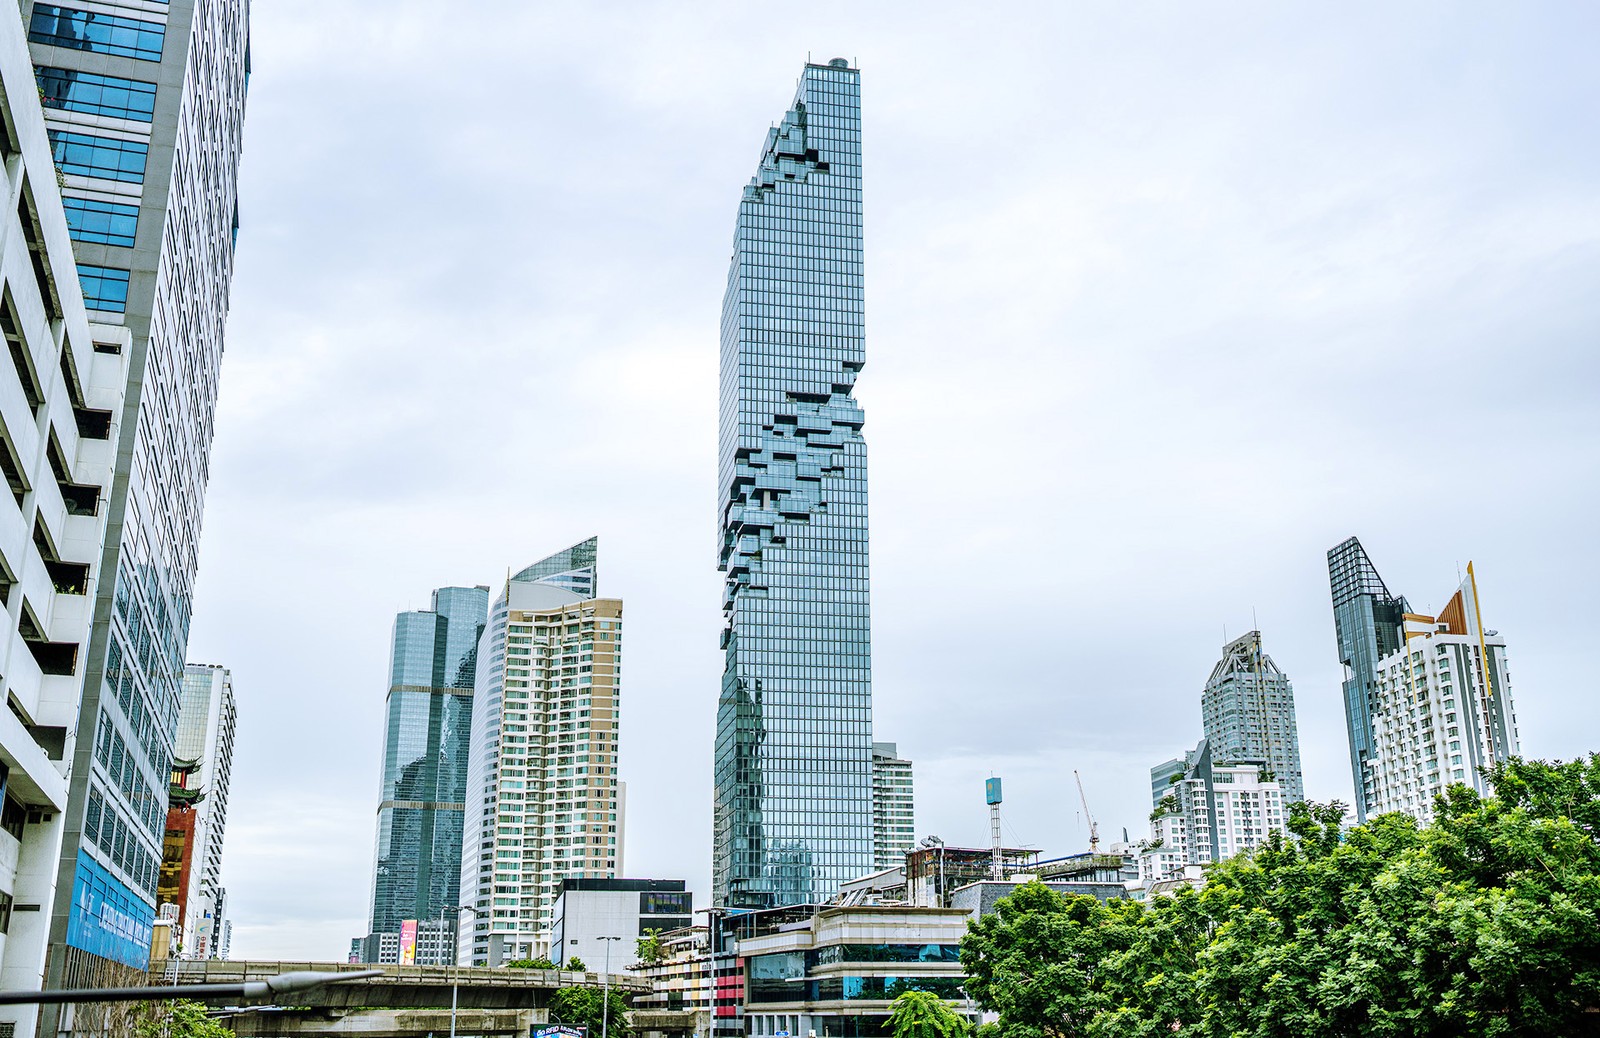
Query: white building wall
x: 60, y: 368
x: 1437, y: 721
x: 543, y: 799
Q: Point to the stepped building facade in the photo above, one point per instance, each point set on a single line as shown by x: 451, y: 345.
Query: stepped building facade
x: 793, y: 753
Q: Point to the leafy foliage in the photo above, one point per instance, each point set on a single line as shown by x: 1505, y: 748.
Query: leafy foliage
x: 178, y: 1019
x: 649, y: 948
x: 575, y: 965
x: 1485, y: 922
x: 922, y: 1014
x: 583, y: 1007
x: 541, y: 963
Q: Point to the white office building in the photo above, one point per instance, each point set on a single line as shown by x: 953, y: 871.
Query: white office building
x: 589, y: 913
x: 61, y: 401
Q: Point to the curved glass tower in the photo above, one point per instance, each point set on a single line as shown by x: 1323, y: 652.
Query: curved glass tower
x: 793, y: 766
x: 427, y: 726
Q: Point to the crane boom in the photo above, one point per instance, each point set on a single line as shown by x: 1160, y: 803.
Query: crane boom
x: 1094, y: 829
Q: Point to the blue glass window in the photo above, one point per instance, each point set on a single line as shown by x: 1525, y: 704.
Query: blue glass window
x: 104, y: 288
x: 103, y: 223
x: 93, y: 31
x: 96, y: 94
x: 99, y: 156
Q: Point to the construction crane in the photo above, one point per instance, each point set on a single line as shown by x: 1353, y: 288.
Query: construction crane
x: 1094, y: 830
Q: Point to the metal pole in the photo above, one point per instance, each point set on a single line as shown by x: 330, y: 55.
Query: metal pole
x: 455, y: 976
x: 454, y: 955
x: 605, y: 991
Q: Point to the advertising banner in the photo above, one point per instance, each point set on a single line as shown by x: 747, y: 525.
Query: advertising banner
x: 408, y: 942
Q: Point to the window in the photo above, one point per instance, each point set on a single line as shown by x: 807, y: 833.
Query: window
x: 104, y: 288
x: 102, y: 223
x: 96, y: 32
x: 99, y: 156
x: 13, y: 816
x: 94, y: 94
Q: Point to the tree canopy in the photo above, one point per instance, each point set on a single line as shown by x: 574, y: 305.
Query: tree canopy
x: 582, y: 1007
x: 1484, y: 922
x: 922, y: 1014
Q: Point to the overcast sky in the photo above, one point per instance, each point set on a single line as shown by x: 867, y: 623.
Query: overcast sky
x: 1163, y: 301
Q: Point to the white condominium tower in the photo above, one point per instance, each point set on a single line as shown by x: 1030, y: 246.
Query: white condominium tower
x: 543, y: 799
x: 1206, y: 811
x: 894, y: 827
x: 1443, y: 710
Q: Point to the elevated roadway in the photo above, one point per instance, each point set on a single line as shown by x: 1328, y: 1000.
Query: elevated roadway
x: 405, y: 1002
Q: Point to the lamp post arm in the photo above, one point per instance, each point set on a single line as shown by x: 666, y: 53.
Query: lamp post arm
x: 283, y: 982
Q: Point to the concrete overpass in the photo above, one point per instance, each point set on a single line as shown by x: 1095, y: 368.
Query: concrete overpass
x: 406, y: 1002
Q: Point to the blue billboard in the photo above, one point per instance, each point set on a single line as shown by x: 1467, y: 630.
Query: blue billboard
x: 107, y: 918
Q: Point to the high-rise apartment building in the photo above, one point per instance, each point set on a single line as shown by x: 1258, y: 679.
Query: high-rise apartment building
x: 145, y: 108
x: 1207, y: 810
x: 422, y: 794
x: 61, y: 417
x: 1443, y: 711
x: 1367, y: 620
x: 894, y: 823
x: 197, y: 812
x: 793, y: 769
x: 1248, y: 711
x: 544, y: 803
x: 1427, y: 699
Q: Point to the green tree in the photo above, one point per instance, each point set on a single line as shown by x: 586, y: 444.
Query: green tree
x: 649, y: 948
x: 1484, y: 922
x: 922, y: 1014
x: 178, y: 1019
x: 541, y: 963
x: 575, y: 965
x: 1034, y: 960
x: 582, y: 1007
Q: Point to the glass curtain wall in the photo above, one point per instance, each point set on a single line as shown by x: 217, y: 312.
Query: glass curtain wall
x: 793, y: 768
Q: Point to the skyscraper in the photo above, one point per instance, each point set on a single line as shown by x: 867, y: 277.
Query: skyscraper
x: 1427, y: 699
x: 1367, y: 621
x: 197, y: 815
x: 793, y: 769
x: 894, y: 823
x: 427, y: 725
x: 60, y: 414
x: 1248, y: 710
x: 544, y: 802
x: 145, y: 105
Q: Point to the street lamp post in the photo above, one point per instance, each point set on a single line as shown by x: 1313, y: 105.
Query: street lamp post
x: 605, y: 991
x: 455, y: 960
